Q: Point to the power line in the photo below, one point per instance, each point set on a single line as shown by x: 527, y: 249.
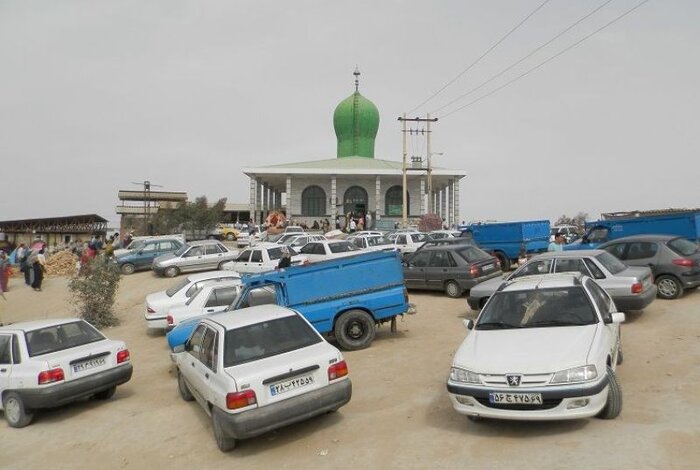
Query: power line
x: 521, y: 60
x: 548, y: 60
x: 480, y: 57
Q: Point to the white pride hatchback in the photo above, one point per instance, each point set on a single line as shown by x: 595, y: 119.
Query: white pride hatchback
x: 543, y: 348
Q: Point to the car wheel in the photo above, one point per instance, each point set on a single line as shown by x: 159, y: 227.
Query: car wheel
x: 669, y: 287
x: 221, y: 266
x: 128, y: 268
x: 504, y: 260
x: 225, y: 442
x: 453, y: 289
x: 620, y: 357
x: 106, y: 394
x: 16, y: 414
x: 171, y: 271
x: 354, y: 329
x: 613, y: 405
x: 183, y: 388
x: 230, y: 237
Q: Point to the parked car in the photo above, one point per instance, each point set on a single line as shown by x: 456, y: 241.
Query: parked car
x: 372, y: 243
x: 262, y: 257
x: 440, y: 234
x: 136, y: 260
x: 159, y: 303
x: 48, y: 363
x: 675, y: 261
x: 259, y: 371
x: 451, y: 267
x: 212, y: 296
x: 408, y: 242
x: 543, y: 348
x: 632, y: 288
x: 224, y: 232
x: 328, y: 249
x: 194, y: 256
x: 138, y: 242
x: 297, y: 241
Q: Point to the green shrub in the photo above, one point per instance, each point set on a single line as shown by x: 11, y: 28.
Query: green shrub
x: 94, y: 291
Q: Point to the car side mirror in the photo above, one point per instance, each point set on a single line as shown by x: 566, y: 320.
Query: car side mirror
x: 468, y: 324
x: 617, y: 317
x: 180, y: 348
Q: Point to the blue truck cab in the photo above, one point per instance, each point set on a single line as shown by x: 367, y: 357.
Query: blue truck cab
x: 345, y: 298
x: 508, y: 241
x: 685, y: 224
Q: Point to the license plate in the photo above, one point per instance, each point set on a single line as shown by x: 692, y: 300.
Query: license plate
x: 515, y: 398
x: 292, y: 384
x: 488, y: 267
x: 91, y: 364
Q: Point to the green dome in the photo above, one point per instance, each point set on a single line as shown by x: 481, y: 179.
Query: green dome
x: 356, y: 121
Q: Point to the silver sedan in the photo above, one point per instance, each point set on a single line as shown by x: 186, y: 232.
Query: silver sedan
x: 204, y: 255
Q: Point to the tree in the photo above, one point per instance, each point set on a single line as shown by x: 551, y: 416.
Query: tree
x: 193, y: 218
x: 579, y: 220
x: 93, y: 294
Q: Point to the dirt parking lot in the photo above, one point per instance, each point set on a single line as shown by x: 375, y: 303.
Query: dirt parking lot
x: 399, y: 416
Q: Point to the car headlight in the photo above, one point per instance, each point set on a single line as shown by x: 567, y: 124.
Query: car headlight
x: 577, y: 374
x: 464, y: 376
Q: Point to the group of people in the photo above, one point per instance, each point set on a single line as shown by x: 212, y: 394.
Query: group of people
x: 352, y: 222
x: 32, y: 263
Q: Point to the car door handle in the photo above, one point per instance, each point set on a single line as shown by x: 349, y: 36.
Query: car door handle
x: 192, y: 364
x: 210, y: 310
x: 206, y: 376
x: 3, y: 370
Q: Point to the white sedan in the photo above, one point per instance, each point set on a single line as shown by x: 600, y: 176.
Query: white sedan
x: 328, y: 249
x: 259, y: 370
x: 211, y: 297
x: 159, y: 303
x: 543, y: 348
x: 372, y: 242
x: 408, y: 242
x: 48, y: 363
x: 261, y: 258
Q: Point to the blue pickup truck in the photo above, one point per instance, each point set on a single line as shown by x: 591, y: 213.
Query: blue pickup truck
x: 346, y: 297
x: 508, y: 241
x: 684, y: 224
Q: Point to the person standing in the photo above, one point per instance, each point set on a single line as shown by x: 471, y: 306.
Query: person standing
x: 368, y: 221
x: 38, y: 268
x: 353, y: 225
x: 558, y: 243
x: 4, y: 270
x: 286, y: 259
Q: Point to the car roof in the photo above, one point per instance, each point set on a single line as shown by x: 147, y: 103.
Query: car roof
x: 37, y: 324
x: 542, y: 281
x: 251, y: 315
x: 203, y: 242
x: 569, y: 254
x: 222, y: 282
x: 650, y: 237
x: 212, y: 275
x: 266, y: 245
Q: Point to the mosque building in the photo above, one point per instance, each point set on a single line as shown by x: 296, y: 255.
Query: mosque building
x: 355, y: 181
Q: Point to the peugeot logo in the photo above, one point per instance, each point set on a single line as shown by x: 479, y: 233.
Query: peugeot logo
x: 514, y: 380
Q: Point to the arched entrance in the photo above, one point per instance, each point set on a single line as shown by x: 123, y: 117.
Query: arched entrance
x: 355, y: 201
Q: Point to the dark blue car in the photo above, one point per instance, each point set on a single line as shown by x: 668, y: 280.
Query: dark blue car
x: 143, y: 258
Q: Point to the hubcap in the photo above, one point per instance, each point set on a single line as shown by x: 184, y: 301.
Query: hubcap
x: 452, y: 289
x: 355, y: 330
x: 12, y: 410
x: 667, y: 287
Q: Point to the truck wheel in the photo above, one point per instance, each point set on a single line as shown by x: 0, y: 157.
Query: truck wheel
x: 106, y: 394
x: 182, y: 387
x: 613, y: 406
x: 128, y: 268
x: 453, y: 289
x: 171, y: 271
x: 225, y: 442
x: 354, y: 330
x: 669, y: 287
x: 230, y: 237
x: 16, y: 414
x: 504, y: 260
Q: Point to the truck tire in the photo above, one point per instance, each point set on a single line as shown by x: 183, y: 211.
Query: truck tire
x: 613, y: 405
x: 128, y: 268
x: 669, y: 287
x: 16, y: 414
x: 230, y: 237
x: 504, y: 260
x: 354, y: 330
x: 453, y: 289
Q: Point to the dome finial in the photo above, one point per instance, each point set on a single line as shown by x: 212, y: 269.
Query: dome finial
x: 356, y: 73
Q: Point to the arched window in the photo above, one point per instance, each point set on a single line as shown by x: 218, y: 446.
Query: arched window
x: 393, y: 202
x: 355, y: 200
x: 313, y: 201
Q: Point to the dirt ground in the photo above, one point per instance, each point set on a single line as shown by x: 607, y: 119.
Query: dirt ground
x: 399, y: 415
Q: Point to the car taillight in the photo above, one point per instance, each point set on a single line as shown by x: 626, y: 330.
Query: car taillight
x: 170, y: 320
x: 123, y: 356
x: 337, y: 370
x: 688, y: 263
x: 242, y: 399
x: 51, y: 376
x: 474, y: 270
x: 637, y: 288
x: 150, y: 310
x: 498, y: 263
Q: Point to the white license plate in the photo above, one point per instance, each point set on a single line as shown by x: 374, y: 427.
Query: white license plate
x: 515, y: 398
x: 488, y: 267
x: 292, y: 384
x: 91, y: 364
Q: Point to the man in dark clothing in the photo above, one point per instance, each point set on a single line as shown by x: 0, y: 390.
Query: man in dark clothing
x: 286, y: 260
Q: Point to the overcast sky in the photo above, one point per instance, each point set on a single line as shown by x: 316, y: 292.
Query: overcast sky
x: 95, y: 95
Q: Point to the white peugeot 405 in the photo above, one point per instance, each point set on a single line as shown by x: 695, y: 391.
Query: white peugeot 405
x: 258, y: 369
x: 543, y: 348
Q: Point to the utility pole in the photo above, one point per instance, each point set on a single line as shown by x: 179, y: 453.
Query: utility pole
x: 427, y: 120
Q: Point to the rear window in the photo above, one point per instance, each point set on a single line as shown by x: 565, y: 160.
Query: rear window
x: 342, y: 247
x: 60, y: 337
x: 683, y: 247
x: 419, y: 237
x: 611, y: 263
x: 378, y: 241
x: 266, y: 339
x: 472, y: 254
x: 177, y: 287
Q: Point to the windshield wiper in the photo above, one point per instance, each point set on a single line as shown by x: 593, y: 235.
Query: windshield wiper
x: 493, y: 325
x: 554, y: 323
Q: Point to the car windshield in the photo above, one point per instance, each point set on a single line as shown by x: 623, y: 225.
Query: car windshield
x: 177, y: 287
x: 471, y: 253
x: 378, y: 241
x: 561, y: 306
x: 266, y: 339
x: 60, y: 337
x: 611, y: 263
x: 683, y: 247
x: 180, y: 251
x: 136, y: 245
x: 342, y: 247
